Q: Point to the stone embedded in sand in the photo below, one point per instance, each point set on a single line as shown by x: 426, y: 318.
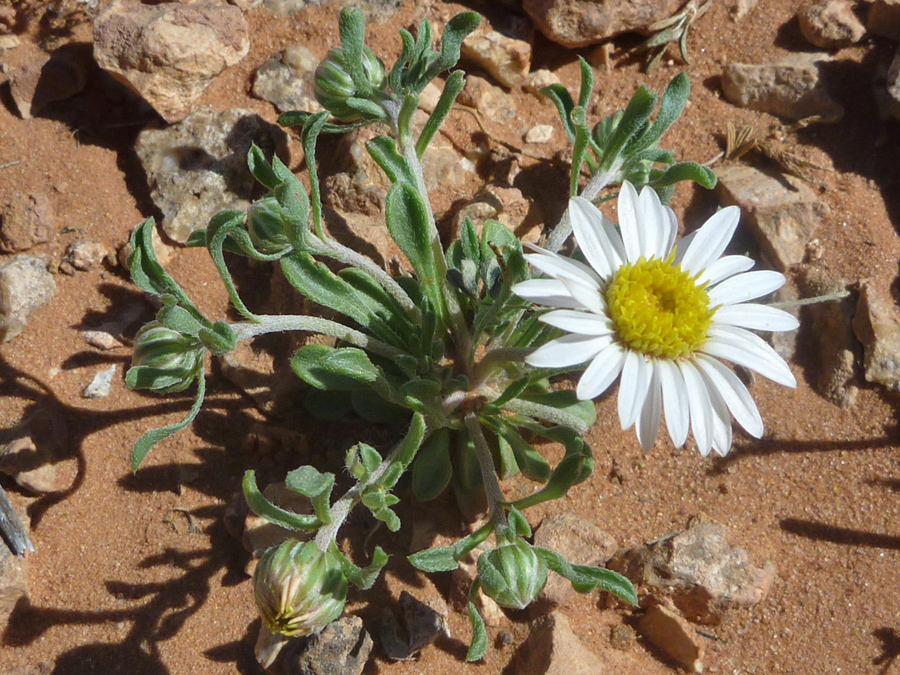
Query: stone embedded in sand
x: 47, y: 79
x: 169, y: 53
x: 784, y: 213
x: 542, y: 133
x: 374, y: 10
x: 577, y: 540
x: 26, y: 221
x: 198, y: 167
x: 85, y: 255
x: 877, y: 326
x: 830, y: 24
x: 25, y: 286
x: 101, y: 385
x: 421, y: 619
x: 673, y: 636
x: 790, y: 88
x: 505, y: 54
x: 13, y: 577
x: 552, y: 648
x: 342, y: 648
x: 578, y: 23
x: 489, y: 99
x: 738, y: 9
x: 883, y: 19
x: 703, y: 574
x: 893, y: 87
x: 286, y: 80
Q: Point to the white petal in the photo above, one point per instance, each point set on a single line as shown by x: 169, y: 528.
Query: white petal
x: 582, y: 323
x: 747, y: 286
x: 654, y: 225
x: 756, y: 317
x: 596, y: 236
x: 684, y: 246
x: 549, y: 292
x: 724, y: 267
x: 746, y: 349
x: 557, y: 266
x: 569, y: 350
x: 711, y: 240
x: 733, y: 392
x: 628, y: 208
x: 651, y: 413
x: 675, y: 401
x: 672, y: 230
x: 633, y: 387
x: 602, y: 372
x: 721, y: 430
x: 587, y: 295
x: 700, y: 406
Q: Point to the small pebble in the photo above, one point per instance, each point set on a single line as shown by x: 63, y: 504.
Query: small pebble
x: 101, y: 385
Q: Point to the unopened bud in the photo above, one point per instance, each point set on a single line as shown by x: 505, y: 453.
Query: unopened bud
x: 164, y: 360
x: 512, y: 574
x: 334, y: 85
x: 266, y: 226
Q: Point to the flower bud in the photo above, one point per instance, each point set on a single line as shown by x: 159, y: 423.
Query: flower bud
x: 265, y: 224
x: 513, y: 574
x: 334, y: 85
x: 299, y: 589
x: 170, y: 359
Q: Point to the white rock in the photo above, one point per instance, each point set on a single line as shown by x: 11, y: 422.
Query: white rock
x: 101, y: 385
x: 25, y: 286
x: 542, y: 133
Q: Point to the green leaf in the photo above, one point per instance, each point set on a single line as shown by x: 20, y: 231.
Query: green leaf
x: 585, y: 578
x: 702, y: 175
x: 384, y: 151
x: 370, y: 110
x: 352, y: 25
x: 457, y: 29
x: 363, y: 578
x: 633, y: 121
x: 326, y: 405
x: 316, y: 486
x: 310, y: 136
x: 671, y: 106
x: 408, y: 447
x: 372, y: 407
x: 518, y: 524
x: 564, y: 400
x: 532, y: 465
x: 261, y: 169
x: 582, y: 139
x: 434, y: 560
x: 512, y: 391
x: 300, y: 118
x: 452, y: 87
x: 275, y: 514
x: 587, y: 83
x: 432, y: 470
x: 219, y: 339
x: 479, y: 645
x: 334, y: 369
x: 145, y: 443
x: 562, y: 99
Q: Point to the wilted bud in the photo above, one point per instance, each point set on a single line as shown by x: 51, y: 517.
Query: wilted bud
x: 164, y: 360
x: 299, y: 589
x: 266, y: 226
x: 513, y: 574
x: 334, y: 85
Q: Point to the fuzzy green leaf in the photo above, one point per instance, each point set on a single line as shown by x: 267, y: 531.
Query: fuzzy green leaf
x: 145, y: 443
x: 275, y: 514
x: 432, y: 470
x: 335, y: 369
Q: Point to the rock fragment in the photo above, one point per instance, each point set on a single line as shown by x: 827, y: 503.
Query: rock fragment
x: 830, y: 24
x: 418, y: 625
x: 578, y: 23
x: 198, y: 167
x: 30, y: 466
x: 877, y: 326
x: 25, y: 286
x: 13, y: 580
x: 45, y: 80
x: 540, y: 79
x: 738, y: 9
x: 85, y: 255
x: 893, y: 87
x: 101, y: 385
x: 171, y: 52
x: 789, y: 88
x: 883, y: 19
x: 577, y: 540
x: 506, y: 55
x: 26, y: 221
x: 374, y: 10
x: 286, y: 80
x: 542, y: 133
x: 783, y: 212
x: 489, y: 99
x: 702, y: 573
x: 342, y: 648
x: 553, y: 649
x: 673, y: 636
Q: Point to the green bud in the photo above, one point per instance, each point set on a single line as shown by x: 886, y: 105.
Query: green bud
x: 266, y: 226
x: 164, y: 360
x: 334, y: 85
x: 513, y: 574
x: 299, y: 589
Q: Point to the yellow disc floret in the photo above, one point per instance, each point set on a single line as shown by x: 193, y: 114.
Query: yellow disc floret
x: 658, y: 309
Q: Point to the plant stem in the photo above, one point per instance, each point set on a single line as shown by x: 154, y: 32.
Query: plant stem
x: 788, y: 304
x: 492, y: 361
x: 562, y: 231
x: 267, y: 323
x: 489, y: 476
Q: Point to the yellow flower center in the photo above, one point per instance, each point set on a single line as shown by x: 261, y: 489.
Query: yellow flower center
x: 658, y: 309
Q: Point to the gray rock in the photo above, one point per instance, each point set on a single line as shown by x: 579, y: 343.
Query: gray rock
x: 198, y: 167
x: 286, y: 81
x: 830, y: 24
x: 171, y: 52
x: 784, y: 213
x: 578, y: 23
x: 46, y: 80
x: 13, y: 580
x: 101, y: 339
x: 877, y: 326
x: 553, y: 649
x: 542, y: 133
x: 577, y: 540
x: 25, y: 286
x: 418, y: 625
x: 699, y: 570
x: 343, y: 648
x: 834, y: 342
x: 86, y: 255
x: 738, y: 9
x: 503, y: 51
x: 893, y: 87
x: 101, y: 385
x: 673, y: 636
x: 8, y: 42
x: 790, y: 88
x: 489, y: 99
x: 374, y: 10
x: 26, y: 221
x: 884, y: 19
x: 30, y: 466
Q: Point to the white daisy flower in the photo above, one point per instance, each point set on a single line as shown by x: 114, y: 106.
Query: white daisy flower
x: 660, y: 316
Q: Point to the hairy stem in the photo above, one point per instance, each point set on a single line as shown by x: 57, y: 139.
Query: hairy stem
x: 488, y: 474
